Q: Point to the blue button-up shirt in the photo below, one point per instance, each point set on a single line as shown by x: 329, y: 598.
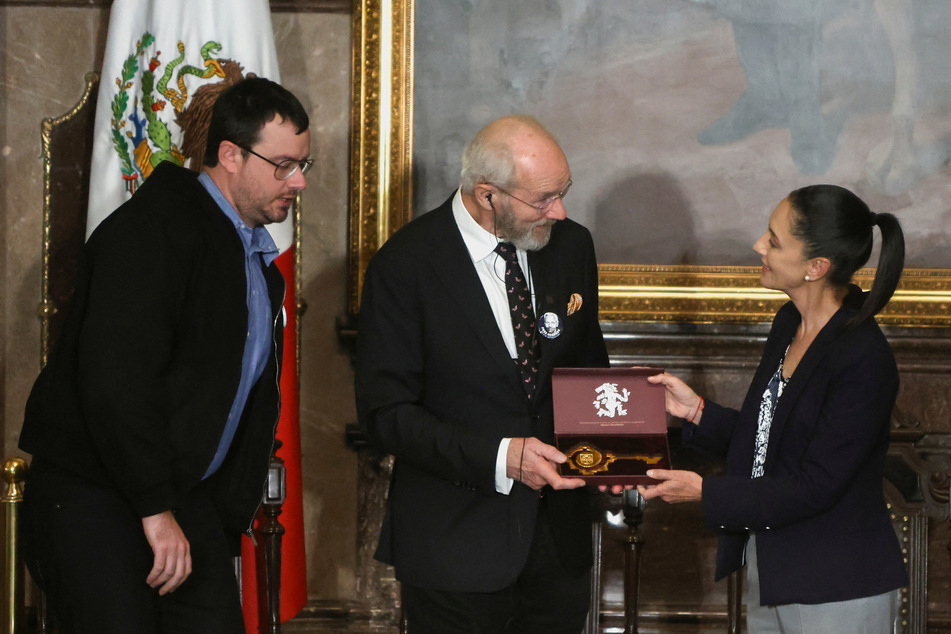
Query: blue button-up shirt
x: 258, y: 248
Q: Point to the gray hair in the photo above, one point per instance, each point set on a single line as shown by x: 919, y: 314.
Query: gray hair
x: 488, y: 157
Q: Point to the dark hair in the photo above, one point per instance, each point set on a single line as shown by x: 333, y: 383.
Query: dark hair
x: 836, y: 224
x: 243, y: 109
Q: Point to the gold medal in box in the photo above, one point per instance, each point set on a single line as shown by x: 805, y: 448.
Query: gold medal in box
x: 611, y: 424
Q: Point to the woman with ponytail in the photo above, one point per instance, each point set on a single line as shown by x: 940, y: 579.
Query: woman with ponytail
x: 800, y: 502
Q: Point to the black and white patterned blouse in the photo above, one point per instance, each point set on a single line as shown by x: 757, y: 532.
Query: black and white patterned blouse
x: 767, y: 406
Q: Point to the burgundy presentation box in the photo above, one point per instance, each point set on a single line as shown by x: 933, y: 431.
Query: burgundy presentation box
x: 611, y: 423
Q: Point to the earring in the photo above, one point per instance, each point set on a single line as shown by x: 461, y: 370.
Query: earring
x: 807, y: 278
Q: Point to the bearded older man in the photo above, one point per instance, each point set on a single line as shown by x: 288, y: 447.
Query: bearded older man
x: 454, y: 380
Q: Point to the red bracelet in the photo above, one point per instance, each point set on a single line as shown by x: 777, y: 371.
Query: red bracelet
x: 697, y: 411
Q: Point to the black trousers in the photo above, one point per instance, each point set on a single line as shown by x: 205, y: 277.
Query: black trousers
x: 545, y: 599
x: 86, y: 549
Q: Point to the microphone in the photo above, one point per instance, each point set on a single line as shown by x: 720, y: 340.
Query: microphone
x: 488, y: 199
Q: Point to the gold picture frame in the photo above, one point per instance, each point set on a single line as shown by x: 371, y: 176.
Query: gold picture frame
x: 381, y: 194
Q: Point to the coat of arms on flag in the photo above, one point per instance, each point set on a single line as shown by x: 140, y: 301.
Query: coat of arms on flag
x: 140, y: 134
x: 165, y: 63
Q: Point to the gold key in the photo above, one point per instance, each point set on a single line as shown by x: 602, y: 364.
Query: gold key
x: 590, y: 460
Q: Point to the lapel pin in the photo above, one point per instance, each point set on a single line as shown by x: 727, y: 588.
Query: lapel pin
x: 574, y: 303
x: 550, y: 325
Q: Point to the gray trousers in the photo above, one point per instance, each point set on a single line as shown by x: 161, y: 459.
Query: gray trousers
x: 868, y: 615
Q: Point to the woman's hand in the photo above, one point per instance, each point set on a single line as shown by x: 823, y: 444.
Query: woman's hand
x: 679, y: 399
x: 675, y: 486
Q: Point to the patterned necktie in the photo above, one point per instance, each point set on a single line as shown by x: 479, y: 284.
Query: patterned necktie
x: 523, y: 317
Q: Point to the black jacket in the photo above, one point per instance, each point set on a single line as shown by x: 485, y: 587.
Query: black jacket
x: 822, y: 529
x: 138, y: 389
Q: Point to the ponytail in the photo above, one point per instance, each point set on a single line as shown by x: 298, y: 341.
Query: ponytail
x: 891, y: 262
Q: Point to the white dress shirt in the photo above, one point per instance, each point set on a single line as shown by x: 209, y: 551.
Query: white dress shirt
x: 491, y: 270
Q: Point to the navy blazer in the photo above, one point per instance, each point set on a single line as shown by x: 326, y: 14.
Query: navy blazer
x: 436, y: 387
x: 822, y: 528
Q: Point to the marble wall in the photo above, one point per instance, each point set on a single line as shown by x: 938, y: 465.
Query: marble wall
x: 45, y: 49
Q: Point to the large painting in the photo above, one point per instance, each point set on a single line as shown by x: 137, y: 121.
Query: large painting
x: 685, y: 122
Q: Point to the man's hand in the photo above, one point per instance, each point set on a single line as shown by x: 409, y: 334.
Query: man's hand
x: 675, y: 486
x: 173, y: 558
x: 534, y: 463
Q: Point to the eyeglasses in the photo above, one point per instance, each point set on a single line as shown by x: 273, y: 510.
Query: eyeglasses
x: 545, y: 206
x: 286, y: 168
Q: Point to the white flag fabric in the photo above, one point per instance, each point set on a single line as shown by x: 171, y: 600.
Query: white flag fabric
x: 165, y: 62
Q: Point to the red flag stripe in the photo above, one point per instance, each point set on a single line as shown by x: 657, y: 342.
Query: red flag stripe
x: 293, y: 560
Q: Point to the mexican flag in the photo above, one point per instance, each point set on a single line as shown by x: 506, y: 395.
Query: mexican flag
x: 165, y: 63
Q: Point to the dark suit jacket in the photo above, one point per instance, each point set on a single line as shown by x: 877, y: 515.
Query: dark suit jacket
x: 436, y: 388
x: 822, y: 529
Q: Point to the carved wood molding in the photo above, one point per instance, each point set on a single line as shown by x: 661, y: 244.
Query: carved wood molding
x: 738, y: 346
x: 66, y: 153
x: 277, y: 6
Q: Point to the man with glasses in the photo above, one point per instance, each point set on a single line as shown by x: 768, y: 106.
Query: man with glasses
x: 454, y: 379
x: 153, y: 422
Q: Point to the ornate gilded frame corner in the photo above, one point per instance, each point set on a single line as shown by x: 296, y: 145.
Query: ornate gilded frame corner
x: 380, y: 202
x: 47, y: 127
x: 381, y: 130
